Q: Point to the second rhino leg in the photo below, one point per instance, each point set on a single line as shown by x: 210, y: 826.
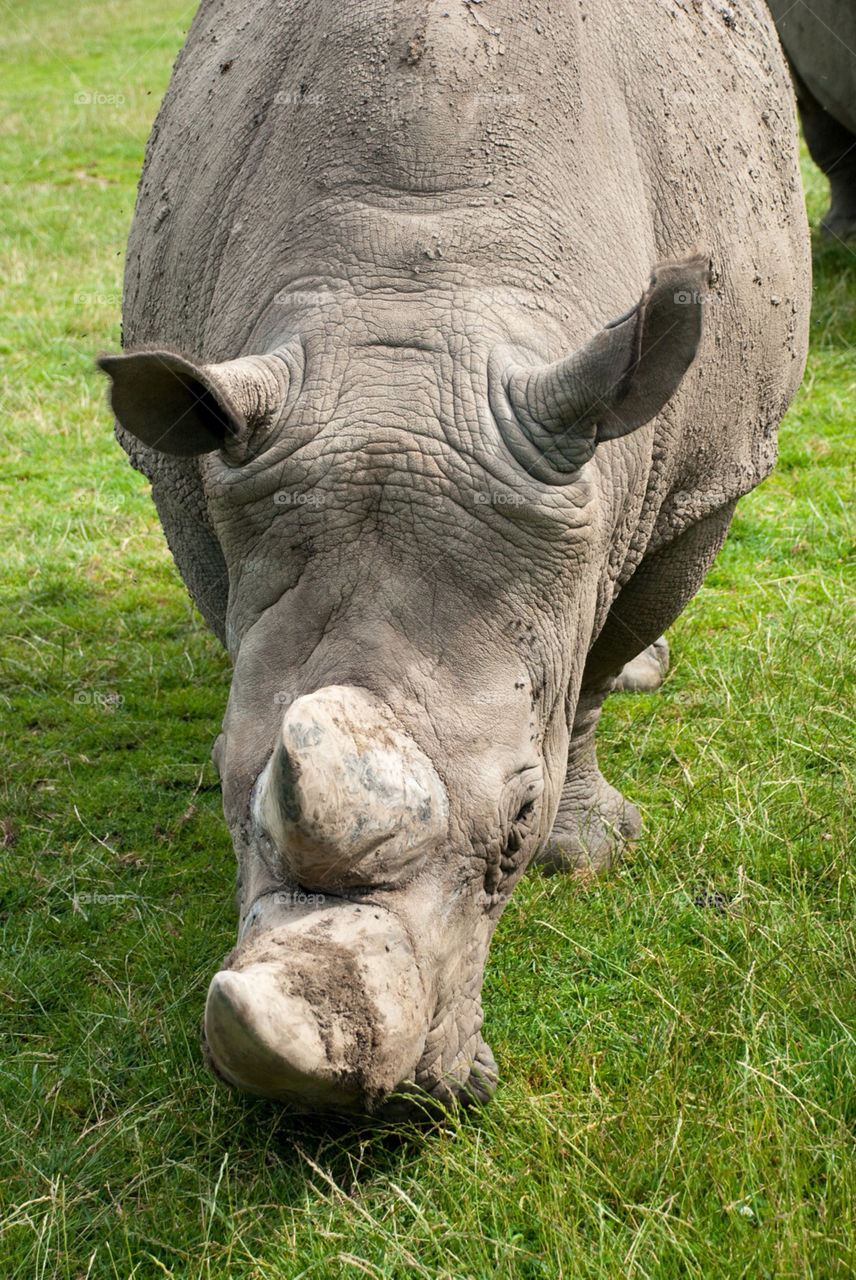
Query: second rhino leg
x: 833, y: 149
x: 593, y: 821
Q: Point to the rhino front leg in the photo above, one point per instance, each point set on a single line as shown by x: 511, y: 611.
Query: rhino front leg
x: 593, y: 821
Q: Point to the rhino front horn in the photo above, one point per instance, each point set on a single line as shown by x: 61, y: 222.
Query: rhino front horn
x: 347, y: 798
x: 325, y: 1008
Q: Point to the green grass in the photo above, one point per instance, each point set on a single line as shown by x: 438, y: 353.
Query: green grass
x: 679, y: 1082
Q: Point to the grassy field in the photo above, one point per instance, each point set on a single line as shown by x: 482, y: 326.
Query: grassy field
x: 679, y: 1070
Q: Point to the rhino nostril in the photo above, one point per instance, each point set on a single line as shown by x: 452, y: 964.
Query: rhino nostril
x: 525, y: 812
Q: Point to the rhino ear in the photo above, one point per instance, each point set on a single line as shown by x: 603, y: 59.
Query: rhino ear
x: 554, y: 416
x: 184, y: 409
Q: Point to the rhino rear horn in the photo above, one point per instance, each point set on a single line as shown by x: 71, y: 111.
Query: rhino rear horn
x: 553, y: 416
x: 184, y: 409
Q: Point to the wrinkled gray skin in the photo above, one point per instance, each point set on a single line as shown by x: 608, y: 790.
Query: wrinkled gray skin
x: 430, y: 502
x: 819, y: 39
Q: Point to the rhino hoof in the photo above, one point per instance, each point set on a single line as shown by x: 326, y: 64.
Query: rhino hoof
x: 591, y: 842
x: 647, y: 671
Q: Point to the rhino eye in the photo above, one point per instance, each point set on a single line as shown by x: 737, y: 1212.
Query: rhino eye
x: 518, y: 832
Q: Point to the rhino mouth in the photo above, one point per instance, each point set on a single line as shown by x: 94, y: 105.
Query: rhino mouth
x: 325, y: 1008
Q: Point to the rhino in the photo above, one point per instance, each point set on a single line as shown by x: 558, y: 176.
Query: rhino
x: 820, y: 43
x: 453, y: 332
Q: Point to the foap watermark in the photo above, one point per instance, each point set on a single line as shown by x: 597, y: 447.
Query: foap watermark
x: 103, y: 899
x: 499, y: 498
x: 492, y: 698
x: 285, y: 697
x: 98, y: 299
x: 97, y: 98
x: 299, y: 97
x: 105, y: 700
x: 692, y: 297
x: 506, y: 297
x: 297, y: 898
x: 482, y: 898
x: 304, y: 297
x: 298, y: 498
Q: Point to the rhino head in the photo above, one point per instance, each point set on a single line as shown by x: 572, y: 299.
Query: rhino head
x: 418, y: 528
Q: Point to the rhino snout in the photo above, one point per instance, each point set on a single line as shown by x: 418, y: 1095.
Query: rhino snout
x: 347, y: 798
x: 325, y: 1009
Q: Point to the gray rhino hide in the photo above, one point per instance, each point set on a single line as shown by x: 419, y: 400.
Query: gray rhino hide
x: 563, y: 158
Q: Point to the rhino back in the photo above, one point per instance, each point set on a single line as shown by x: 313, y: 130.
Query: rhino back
x: 454, y: 146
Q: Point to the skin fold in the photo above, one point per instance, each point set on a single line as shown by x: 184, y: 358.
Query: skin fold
x: 453, y: 334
